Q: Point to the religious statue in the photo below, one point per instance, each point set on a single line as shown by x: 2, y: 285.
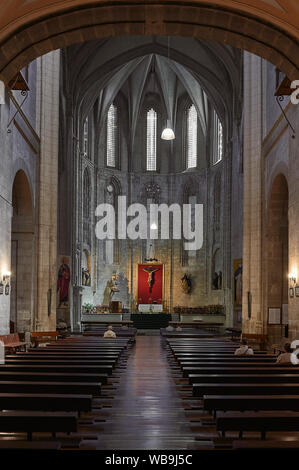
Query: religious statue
x: 215, y: 281
x: 151, y: 276
x: 220, y: 280
x: 63, y: 282
x: 86, y: 278
x: 238, y: 284
x: 186, y: 284
x: 110, y: 289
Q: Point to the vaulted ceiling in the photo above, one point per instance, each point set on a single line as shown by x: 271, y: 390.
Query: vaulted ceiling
x: 171, y: 67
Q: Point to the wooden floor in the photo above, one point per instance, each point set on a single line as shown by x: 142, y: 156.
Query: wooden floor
x: 147, y: 412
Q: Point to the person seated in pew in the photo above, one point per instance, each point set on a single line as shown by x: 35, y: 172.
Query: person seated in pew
x: 169, y: 328
x: 285, y: 357
x: 62, y: 328
x: 109, y: 333
x: 244, y: 349
x: 179, y: 328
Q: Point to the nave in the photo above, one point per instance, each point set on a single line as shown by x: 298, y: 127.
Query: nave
x: 146, y: 411
x: 147, y: 393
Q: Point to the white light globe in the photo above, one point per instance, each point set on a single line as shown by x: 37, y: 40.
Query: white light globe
x: 168, y: 133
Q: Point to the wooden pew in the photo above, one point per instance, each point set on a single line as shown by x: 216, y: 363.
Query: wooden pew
x: 45, y: 402
x: 65, y: 355
x: 231, y: 361
x: 38, y: 337
x: 80, y: 348
x: 30, y: 421
x: 200, y: 389
x: 73, y: 388
x: 92, y: 362
x: 53, y: 377
x: 272, y: 369
x: 246, y: 445
x: 251, y: 402
x: 243, y: 378
x: 220, y: 360
x: 6, y: 445
x: 12, y: 341
x: 258, y: 421
x: 20, y: 367
x: 196, y: 354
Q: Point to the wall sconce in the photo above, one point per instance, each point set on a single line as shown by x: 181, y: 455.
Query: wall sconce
x: 292, y: 278
x: 6, y: 276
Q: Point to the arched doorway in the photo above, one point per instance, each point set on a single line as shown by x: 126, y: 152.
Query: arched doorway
x: 277, y: 257
x: 22, y: 235
x: 34, y: 28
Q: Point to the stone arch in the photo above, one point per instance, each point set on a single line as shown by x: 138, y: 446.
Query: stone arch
x: 20, y: 165
x: 35, y: 28
x: 280, y: 169
x: 22, y: 252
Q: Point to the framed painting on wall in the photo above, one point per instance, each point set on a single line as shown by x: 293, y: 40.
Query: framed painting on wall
x: 274, y: 316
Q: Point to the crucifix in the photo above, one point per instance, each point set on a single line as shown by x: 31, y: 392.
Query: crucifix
x: 151, y: 276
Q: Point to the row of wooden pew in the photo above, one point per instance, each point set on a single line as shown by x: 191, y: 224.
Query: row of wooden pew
x: 242, y: 394
x: 49, y: 389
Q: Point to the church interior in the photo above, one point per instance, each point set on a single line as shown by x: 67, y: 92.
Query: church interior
x: 149, y: 242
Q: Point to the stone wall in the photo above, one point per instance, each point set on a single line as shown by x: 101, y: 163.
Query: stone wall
x: 270, y: 152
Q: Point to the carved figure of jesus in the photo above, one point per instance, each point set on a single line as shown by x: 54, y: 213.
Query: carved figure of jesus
x: 151, y: 277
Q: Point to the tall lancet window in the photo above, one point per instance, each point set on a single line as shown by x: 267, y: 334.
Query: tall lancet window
x: 86, y: 207
x: 192, y: 137
x: 151, y: 140
x: 112, y: 136
x: 85, y: 137
x: 218, y: 140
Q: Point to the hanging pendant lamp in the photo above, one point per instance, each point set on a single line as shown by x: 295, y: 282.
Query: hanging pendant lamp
x: 168, y: 133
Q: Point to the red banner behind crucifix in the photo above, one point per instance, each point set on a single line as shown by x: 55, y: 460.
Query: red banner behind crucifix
x: 150, y: 283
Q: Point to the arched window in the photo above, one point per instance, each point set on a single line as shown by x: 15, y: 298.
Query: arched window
x: 85, y: 137
x: 217, y: 202
x: 151, y: 140
x: 191, y: 137
x: 86, y: 207
x: 112, y: 136
x: 218, y: 140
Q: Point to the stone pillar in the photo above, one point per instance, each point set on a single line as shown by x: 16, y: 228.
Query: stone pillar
x: 253, y: 191
x: 293, y: 115
x: 47, y: 104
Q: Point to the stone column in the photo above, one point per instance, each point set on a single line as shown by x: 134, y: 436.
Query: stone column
x: 253, y: 170
x: 47, y: 104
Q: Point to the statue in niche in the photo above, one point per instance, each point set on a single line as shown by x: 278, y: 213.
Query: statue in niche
x: 238, y: 283
x: 186, y: 284
x: 63, y: 282
x: 215, y: 281
x: 86, y: 277
x: 110, y: 289
x: 220, y: 280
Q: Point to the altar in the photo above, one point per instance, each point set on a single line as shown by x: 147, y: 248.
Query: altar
x: 150, y: 308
